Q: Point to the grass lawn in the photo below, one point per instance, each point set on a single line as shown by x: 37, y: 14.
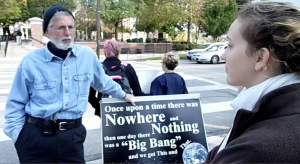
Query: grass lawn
x: 181, y: 56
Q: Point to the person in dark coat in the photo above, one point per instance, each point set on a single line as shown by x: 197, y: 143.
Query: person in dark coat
x: 112, y: 51
x: 263, y: 56
x: 169, y: 83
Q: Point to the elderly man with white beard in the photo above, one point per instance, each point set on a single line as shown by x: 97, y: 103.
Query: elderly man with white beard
x: 49, y: 95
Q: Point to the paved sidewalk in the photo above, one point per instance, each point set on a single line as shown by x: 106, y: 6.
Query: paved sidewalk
x: 16, y: 52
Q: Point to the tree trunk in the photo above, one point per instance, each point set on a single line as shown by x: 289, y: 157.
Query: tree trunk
x: 6, y: 30
x: 122, y: 27
x: 189, y: 32
x: 147, y: 29
x: 116, y: 30
x: 197, y: 35
x: 160, y: 35
x: 215, y: 38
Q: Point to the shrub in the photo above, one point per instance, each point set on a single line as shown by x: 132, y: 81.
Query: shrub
x: 174, y: 47
x: 135, y: 40
x: 182, y: 47
x: 196, y: 45
x: 190, y: 46
x: 148, y: 40
x: 161, y: 40
x: 154, y: 40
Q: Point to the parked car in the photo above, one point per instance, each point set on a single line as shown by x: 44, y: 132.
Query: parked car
x: 210, y: 55
x: 201, y: 48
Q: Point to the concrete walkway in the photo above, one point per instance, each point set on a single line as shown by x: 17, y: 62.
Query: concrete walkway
x: 14, y: 50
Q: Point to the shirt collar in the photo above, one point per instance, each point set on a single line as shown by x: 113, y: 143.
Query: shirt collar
x: 49, y: 56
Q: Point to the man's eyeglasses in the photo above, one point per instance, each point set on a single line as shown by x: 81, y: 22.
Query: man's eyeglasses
x: 63, y: 28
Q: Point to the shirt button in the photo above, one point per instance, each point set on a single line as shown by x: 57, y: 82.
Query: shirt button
x: 66, y: 78
x: 59, y: 111
x: 46, y: 86
x: 66, y: 105
x: 66, y: 91
x: 64, y: 65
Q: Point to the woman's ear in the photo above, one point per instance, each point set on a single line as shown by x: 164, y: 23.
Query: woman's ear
x: 262, y: 57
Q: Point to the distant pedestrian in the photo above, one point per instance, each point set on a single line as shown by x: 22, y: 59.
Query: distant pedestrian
x: 123, y: 73
x: 19, y: 35
x: 170, y: 82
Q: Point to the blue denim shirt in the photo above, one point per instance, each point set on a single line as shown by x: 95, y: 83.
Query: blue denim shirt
x: 45, y: 85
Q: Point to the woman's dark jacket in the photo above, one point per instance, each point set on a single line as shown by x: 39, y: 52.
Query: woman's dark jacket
x: 132, y: 78
x: 268, y: 134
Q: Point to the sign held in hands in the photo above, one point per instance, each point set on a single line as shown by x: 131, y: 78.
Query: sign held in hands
x: 158, y: 129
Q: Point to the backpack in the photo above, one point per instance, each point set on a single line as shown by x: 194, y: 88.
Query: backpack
x: 117, y: 73
x: 19, y: 33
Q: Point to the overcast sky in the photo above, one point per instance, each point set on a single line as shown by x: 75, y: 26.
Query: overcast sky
x: 296, y: 2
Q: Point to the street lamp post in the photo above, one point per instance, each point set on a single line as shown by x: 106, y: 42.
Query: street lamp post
x: 98, y: 28
x: 6, y: 45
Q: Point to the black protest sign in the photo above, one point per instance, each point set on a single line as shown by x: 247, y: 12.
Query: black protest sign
x: 159, y: 129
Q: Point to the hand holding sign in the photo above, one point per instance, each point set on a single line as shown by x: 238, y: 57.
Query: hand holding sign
x: 128, y: 98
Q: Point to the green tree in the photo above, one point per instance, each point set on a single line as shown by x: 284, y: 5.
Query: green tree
x: 192, y: 10
x: 161, y: 15
x: 145, y: 15
x: 218, y: 16
x: 173, y: 31
x: 12, y: 11
x: 241, y: 2
x: 114, y: 11
x: 9, y: 11
x: 86, y: 16
x: 36, y: 8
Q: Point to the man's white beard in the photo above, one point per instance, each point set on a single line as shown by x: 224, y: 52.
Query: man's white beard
x: 62, y: 45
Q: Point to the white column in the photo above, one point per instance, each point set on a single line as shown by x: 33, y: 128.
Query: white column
x: 26, y: 32
x: 36, y: 31
x: 22, y: 31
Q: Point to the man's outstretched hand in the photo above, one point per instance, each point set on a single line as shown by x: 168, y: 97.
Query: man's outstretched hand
x: 128, y: 98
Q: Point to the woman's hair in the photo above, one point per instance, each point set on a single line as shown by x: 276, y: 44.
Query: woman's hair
x: 275, y: 26
x: 170, y: 60
x: 112, y: 48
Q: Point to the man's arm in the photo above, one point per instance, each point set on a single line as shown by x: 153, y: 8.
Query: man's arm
x: 15, y: 106
x: 134, y: 82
